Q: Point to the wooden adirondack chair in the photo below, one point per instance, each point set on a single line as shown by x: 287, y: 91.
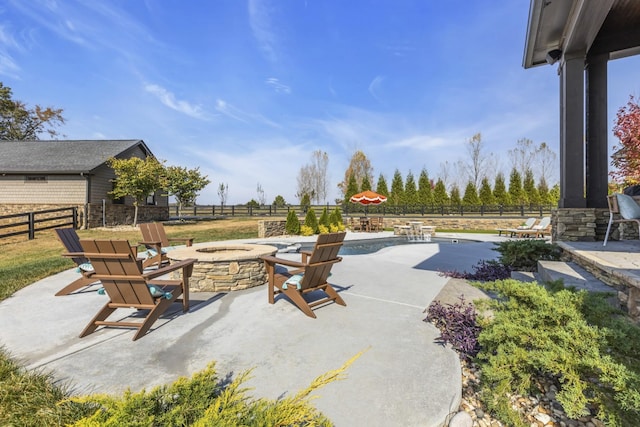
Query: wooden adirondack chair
x: 71, y: 242
x: 157, y: 243
x: 309, y: 275
x: 127, y: 286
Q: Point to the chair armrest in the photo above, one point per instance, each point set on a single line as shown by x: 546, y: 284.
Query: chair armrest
x: 270, y: 259
x: 169, y: 268
x: 186, y: 240
x: 145, y: 243
x: 73, y: 255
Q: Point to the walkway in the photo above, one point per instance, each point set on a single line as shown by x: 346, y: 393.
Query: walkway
x: 403, y: 379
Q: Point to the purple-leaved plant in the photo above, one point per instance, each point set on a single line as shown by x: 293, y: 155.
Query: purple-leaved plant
x: 457, y: 325
x: 484, y: 271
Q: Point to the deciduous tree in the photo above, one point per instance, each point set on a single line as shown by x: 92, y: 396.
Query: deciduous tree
x: 359, y: 167
x: 18, y: 122
x: 626, y: 156
x: 223, y: 193
x: 138, y: 179
x: 185, y: 184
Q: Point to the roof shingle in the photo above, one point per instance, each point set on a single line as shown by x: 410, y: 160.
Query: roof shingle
x: 61, y: 156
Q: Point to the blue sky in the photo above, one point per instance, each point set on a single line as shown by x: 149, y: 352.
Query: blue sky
x: 247, y: 90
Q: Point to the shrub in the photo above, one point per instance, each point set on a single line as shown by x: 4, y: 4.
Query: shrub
x: 457, y: 325
x: 338, y: 216
x: 305, y: 230
x: 322, y: 229
x: 523, y: 255
x: 324, y: 218
x: 292, y: 226
x: 311, y: 220
x: 483, y: 271
x: 205, y: 400
x: 536, y: 332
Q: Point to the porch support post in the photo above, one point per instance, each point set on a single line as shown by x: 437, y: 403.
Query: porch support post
x: 596, y: 136
x: 572, y: 133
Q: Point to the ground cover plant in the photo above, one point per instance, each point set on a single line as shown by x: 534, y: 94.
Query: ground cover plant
x: 577, y: 340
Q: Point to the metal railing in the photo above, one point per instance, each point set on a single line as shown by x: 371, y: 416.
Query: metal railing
x: 30, y: 222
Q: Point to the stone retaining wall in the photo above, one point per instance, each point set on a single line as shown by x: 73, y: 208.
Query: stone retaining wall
x: 274, y: 228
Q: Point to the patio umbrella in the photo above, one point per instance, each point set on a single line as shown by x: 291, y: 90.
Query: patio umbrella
x: 368, y: 198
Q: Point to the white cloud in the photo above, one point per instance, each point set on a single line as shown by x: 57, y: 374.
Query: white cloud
x: 260, y: 20
x: 168, y: 99
x: 223, y: 107
x: 277, y: 85
x: 374, y: 87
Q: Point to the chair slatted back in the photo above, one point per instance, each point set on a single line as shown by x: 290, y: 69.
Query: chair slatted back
x: 154, y: 232
x: 324, y: 255
x: 119, y: 271
x: 71, y: 242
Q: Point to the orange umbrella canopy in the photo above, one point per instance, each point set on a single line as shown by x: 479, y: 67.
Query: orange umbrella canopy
x: 368, y: 198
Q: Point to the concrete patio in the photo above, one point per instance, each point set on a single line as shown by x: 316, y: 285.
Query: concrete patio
x: 404, y: 377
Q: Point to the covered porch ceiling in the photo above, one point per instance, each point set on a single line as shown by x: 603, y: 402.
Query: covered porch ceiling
x: 577, y: 27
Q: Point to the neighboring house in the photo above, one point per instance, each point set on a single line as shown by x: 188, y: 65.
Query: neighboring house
x: 36, y: 175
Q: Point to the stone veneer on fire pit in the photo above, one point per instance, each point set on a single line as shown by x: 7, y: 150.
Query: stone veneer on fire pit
x: 224, y: 267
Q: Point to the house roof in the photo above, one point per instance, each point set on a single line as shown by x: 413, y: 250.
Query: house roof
x: 61, y: 157
x: 581, y: 26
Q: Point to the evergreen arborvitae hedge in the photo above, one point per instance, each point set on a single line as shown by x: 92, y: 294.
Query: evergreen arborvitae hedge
x: 311, y: 220
x: 292, y: 225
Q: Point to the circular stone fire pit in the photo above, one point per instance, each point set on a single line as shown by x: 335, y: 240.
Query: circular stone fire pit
x: 225, y: 267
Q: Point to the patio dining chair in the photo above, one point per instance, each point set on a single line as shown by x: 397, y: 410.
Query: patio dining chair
x: 626, y: 207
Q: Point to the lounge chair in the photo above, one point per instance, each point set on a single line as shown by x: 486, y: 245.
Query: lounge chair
x: 536, y: 231
x: 526, y: 226
x: 71, y: 242
x: 626, y: 207
x: 308, y: 275
x: 157, y: 243
x: 127, y: 286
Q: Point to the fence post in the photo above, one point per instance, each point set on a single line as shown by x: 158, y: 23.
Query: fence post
x: 521, y: 210
x: 32, y: 226
x: 74, y: 211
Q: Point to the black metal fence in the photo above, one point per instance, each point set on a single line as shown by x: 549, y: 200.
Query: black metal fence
x: 212, y: 211
x: 30, y: 222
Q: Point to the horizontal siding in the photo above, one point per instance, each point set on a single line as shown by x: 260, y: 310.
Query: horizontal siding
x: 57, y: 189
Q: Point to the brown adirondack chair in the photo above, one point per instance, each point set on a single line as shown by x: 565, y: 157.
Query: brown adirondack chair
x: 310, y: 274
x: 157, y: 243
x: 71, y: 242
x: 128, y: 286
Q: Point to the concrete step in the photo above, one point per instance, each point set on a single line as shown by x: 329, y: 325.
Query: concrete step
x: 525, y: 276
x: 572, y: 275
